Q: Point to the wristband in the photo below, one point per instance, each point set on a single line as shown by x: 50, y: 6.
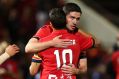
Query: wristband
x: 36, y: 59
x: 4, y: 57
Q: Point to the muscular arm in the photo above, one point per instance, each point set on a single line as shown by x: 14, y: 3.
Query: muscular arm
x: 82, y: 66
x: 34, y: 67
x: 83, y: 62
x: 35, y: 46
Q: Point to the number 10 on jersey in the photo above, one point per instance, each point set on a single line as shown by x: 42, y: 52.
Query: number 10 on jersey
x: 64, y: 52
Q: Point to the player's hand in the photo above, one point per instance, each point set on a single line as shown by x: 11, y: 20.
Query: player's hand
x: 12, y: 49
x: 69, y: 69
x: 58, y: 42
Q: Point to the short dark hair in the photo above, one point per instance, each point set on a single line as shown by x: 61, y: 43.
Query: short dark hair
x: 70, y: 7
x: 57, y: 18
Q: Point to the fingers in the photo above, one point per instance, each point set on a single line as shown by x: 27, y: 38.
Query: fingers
x: 59, y: 36
x: 68, y: 69
x: 12, y: 49
x: 15, y: 47
x: 63, y: 43
x: 66, y: 40
x: 66, y: 44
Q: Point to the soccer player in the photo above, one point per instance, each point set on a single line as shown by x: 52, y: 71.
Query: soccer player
x: 53, y: 59
x: 9, y: 51
x: 71, y: 10
x: 73, y: 13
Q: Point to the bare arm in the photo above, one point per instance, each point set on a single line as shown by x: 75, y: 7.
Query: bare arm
x: 82, y: 66
x: 34, y: 67
x: 71, y: 69
x: 35, y: 64
x: 35, y: 46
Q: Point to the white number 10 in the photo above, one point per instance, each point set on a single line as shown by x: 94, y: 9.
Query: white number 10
x: 64, y: 52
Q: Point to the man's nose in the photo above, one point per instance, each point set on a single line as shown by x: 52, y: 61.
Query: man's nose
x: 74, y: 21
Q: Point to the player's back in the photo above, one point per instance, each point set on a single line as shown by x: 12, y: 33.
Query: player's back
x: 54, y: 58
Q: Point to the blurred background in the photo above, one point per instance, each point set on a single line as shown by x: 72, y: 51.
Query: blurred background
x: 20, y: 19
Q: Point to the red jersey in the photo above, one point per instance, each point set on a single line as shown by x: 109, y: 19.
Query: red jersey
x: 115, y: 61
x: 85, y: 42
x: 46, y: 30
x: 53, y: 58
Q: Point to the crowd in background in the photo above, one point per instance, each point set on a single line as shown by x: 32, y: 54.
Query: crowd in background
x: 19, y: 20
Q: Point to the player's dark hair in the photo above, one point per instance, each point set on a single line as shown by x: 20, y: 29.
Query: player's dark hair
x: 57, y: 18
x: 71, y: 7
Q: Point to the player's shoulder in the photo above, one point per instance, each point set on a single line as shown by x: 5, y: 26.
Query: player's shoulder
x: 79, y: 33
x: 83, y: 34
x: 45, y: 26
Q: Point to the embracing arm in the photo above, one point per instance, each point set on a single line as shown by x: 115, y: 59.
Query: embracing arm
x: 82, y: 66
x: 71, y: 69
x: 35, y: 46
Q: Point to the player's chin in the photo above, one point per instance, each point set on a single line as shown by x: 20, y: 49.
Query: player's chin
x: 72, y: 29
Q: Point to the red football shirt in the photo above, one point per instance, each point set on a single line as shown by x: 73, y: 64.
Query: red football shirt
x: 115, y: 61
x: 44, y: 31
x: 54, y: 58
x: 86, y: 42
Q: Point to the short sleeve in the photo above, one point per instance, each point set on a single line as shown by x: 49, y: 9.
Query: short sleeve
x: 86, y: 42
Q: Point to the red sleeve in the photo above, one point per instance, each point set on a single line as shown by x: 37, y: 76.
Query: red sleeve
x: 43, y: 31
x: 115, y: 61
x: 86, y: 42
